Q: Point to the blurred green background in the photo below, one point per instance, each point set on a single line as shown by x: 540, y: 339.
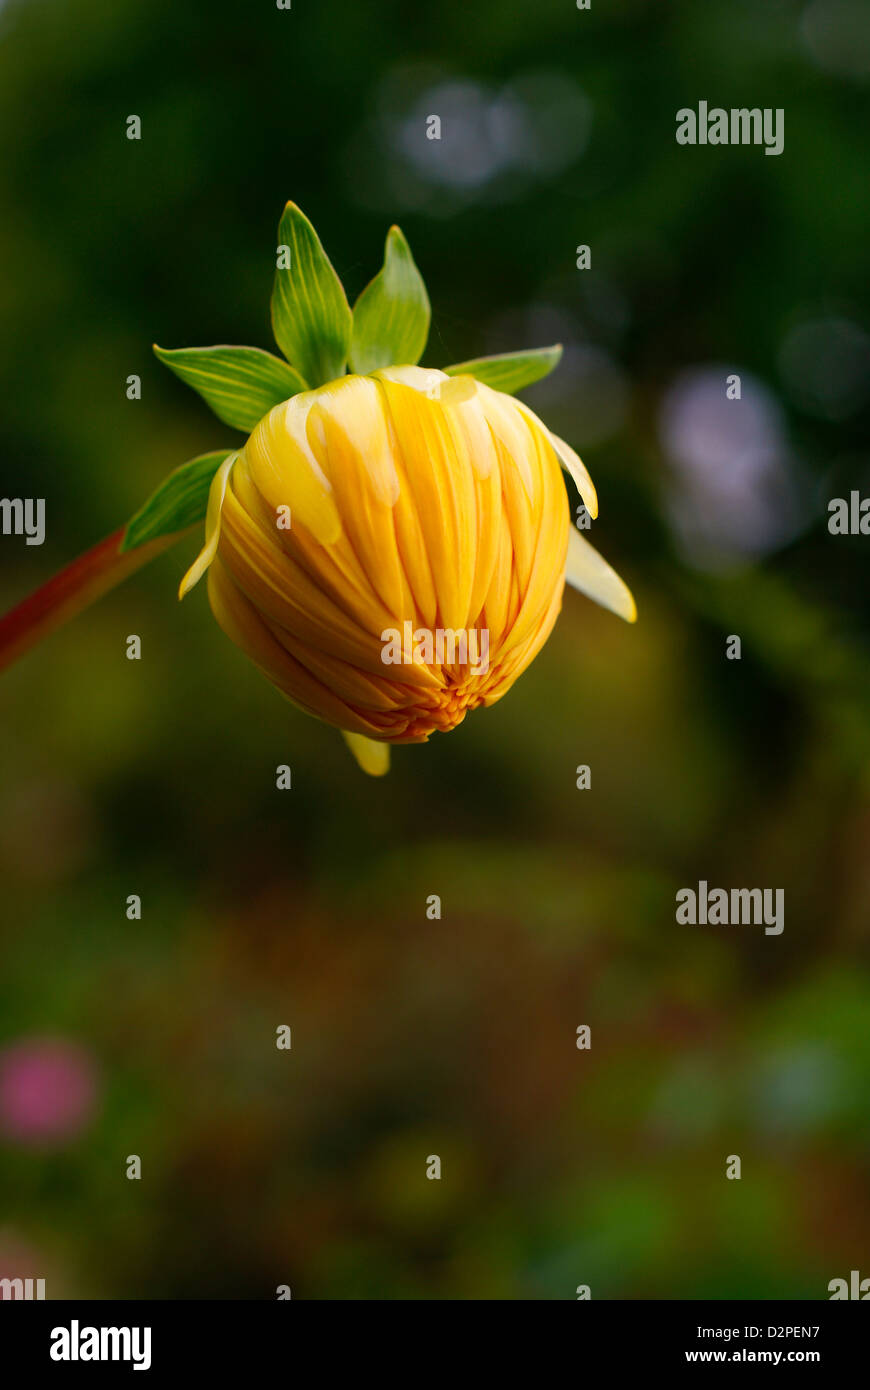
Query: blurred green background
x: 307, y: 908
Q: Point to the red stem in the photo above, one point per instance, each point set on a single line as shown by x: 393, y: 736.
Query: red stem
x: 89, y: 577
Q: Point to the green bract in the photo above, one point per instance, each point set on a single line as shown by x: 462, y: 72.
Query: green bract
x: 510, y: 371
x: 179, y: 501
x: 311, y: 317
x: 391, y: 316
x: 241, y: 384
x: 319, y: 336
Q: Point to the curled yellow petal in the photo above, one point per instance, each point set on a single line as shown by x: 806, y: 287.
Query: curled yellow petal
x: 573, y: 464
x: 216, y: 495
x: 589, y: 572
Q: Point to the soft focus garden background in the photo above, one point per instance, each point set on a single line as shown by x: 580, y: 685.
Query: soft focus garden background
x: 260, y: 907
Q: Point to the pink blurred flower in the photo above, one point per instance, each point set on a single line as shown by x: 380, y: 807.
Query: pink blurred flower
x: 48, y: 1091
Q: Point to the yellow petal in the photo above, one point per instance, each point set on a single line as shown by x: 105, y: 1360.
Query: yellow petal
x: 347, y: 432
x: 216, y: 495
x: 573, y: 464
x: 286, y: 472
x: 349, y: 436
x: 510, y: 426
x: 426, y: 380
x: 439, y: 483
x: 372, y: 756
x: 589, y: 572
x: 429, y: 381
x: 290, y: 598
x: 243, y: 625
x: 539, y: 541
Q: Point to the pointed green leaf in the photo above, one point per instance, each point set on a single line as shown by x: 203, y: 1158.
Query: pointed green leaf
x: 180, y: 501
x: 311, y: 317
x: 510, y: 371
x: 391, y: 316
x: 241, y: 384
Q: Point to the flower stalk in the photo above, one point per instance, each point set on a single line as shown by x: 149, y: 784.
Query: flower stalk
x: 73, y: 589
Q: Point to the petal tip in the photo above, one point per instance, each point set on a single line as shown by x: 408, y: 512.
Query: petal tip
x: 589, y: 572
x: 372, y: 756
x: 189, y: 580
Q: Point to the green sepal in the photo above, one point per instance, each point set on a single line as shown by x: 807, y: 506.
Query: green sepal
x: 179, y: 502
x: 311, y: 317
x: 241, y: 384
x: 391, y: 316
x: 510, y: 371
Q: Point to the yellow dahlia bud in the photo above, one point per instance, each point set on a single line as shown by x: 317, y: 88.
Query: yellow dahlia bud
x: 391, y: 543
x: 391, y: 546
x: 391, y: 550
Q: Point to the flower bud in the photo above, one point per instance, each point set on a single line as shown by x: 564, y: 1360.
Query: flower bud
x: 391, y: 551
